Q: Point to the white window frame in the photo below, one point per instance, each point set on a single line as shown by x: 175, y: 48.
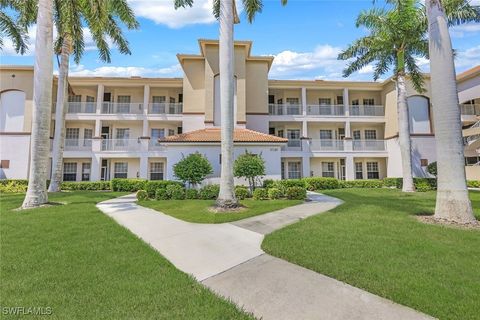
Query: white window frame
x: 72, y: 136
x: 156, y: 168
x: 373, y: 171
x: 86, y: 171
x: 328, y: 169
x: 370, y: 134
x: 358, y: 170
x: 120, y: 170
x: 69, y: 169
x: 294, y: 170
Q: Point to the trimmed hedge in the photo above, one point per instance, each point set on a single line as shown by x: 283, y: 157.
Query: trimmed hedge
x: 316, y: 183
x: 86, y: 185
x: 371, y: 184
x: 260, y: 194
x: 191, y: 194
x: 127, y: 185
x: 274, y: 193
x: 175, y: 192
x: 209, y: 192
x: 473, y: 183
x: 142, y: 195
x: 241, y: 192
x: 296, y: 193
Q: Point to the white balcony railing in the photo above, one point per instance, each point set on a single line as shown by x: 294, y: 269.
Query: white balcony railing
x: 81, y: 107
x: 78, y: 144
x: 284, y: 109
x: 327, y: 145
x: 155, y: 145
x: 122, y: 108
x: 293, y: 145
x: 121, y: 145
x: 325, y: 110
x: 369, y: 145
x: 470, y: 109
x: 165, y: 108
x: 367, y: 111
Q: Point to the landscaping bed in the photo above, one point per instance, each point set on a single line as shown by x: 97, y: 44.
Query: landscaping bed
x: 82, y: 265
x: 374, y: 241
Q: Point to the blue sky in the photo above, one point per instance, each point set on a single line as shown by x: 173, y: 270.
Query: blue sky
x: 305, y: 37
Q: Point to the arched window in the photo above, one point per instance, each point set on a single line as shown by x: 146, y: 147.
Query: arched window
x: 418, y: 108
x: 12, y: 111
x: 216, y: 108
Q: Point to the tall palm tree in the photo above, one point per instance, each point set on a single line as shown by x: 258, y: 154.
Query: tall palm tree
x: 11, y: 29
x: 103, y: 23
x: 395, y: 38
x: 225, y: 11
x: 42, y: 103
x: 452, y: 202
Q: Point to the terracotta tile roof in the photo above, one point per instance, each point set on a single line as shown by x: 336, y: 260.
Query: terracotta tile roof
x: 213, y: 135
x: 468, y: 73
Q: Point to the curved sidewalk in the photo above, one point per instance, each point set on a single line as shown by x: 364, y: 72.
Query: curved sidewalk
x: 228, y: 259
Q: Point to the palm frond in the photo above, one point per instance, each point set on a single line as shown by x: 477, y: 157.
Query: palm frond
x: 252, y: 7
x: 14, y: 31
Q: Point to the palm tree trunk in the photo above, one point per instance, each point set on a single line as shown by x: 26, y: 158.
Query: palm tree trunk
x: 453, y: 203
x: 226, y: 197
x: 404, y: 134
x: 59, y: 136
x: 42, y: 105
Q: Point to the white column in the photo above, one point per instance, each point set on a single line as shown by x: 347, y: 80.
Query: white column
x: 146, y: 98
x: 100, y: 91
x: 144, y: 167
x: 95, y: 168
x: 98, y: 128
x: 349, y: 168
x: 305, y: 166
x: 346, y: 102
x: 348, y: 129
x: 304, y: 101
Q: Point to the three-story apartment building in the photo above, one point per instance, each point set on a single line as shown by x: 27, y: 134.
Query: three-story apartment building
x: 140, y: 127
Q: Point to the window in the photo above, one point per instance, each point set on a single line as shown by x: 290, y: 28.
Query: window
x: 280, y: 133
x: 341, y: 133
x: 87, y: 137
x: 293, y: 106
x: 293, y: 101
x: 70, y: 171
x: 370, y: 134
x: 171, y: 132
x: 355, y: 108
x: 470, y: 161
x: 158, y: 104
x: 358, y: 170
x: 157, y: 134
x: 123, y: 134
x: 340, y: 100
x: 368, y: 102
x: 123, y: 104
x: 5, y: 164
x: 293, y: 137
x: 326, y: 135
x: 355, y: 102
x: 423, y: 162
x: 271, y: 131
x: 86, y: 171
x: 271, y: 99
x: 372, y: 170
x: 90, y: 105
x: 356, y: 135
x: 71, y: 136
x: 156, y: 171
x: 120, y: 170
x: 294, y: 170
x: 324, y: 101
x: 328, y: 170
x: 74, y: 104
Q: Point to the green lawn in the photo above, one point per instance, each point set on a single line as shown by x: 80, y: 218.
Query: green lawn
x: 198, y: 210
x: 83, y: 265
x: 374, y: 242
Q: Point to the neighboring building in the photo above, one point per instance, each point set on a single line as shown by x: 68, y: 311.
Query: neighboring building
x: 140, y: 127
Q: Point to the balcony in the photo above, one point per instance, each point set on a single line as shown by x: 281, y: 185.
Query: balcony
x: 369, y: 145
x: 127, y: 145
x: 78, y: 145
x: 325, y: 110
x: 122, y: 108
x: 470, y: 109
x: 155, y: 145
x: 327, y: 145
x: 165, y: 108
x: 81, y: 107
x: 284, y: 109
x: 367, y: 111
x: 293, y: 145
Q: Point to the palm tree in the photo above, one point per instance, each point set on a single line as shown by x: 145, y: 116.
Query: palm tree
x: 12, y: 29
x: 453, y: 203
x: 103, y: 23
x: 396, y: 38
x: 42, y: 103
x: 225, y: 11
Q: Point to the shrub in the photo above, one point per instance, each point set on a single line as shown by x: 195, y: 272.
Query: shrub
x: 175, y: 192
x: 473, y: 183
x: 362, y: 184
x: 423, y: 186
x: 423, y: 182
x: 191, y: 194
x: 192, y: 169
x: 13, y: 186
x: 268, y: 183
x: 142, y: 195
x: 274, y: 193
x: 209, y: 192
x: 86, y: 185
x: 392, y: 182
x: 315, y: 183
x: 283, y: 185
x: 127, y: 185
x: 152, y: 186
x: 296, y: 193
x: 432, y: 168
x: 249, y: 166
x: 161, y: 194
x: 241, y: 192
x: 260, y: 194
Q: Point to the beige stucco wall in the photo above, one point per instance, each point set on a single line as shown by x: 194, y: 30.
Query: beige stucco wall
x: 194, y: 86
x: 473, y: 172
x: 133, y: 166
x: 313, y: 96
x: 256, y: 87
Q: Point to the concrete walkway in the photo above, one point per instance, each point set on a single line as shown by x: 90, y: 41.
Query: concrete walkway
x: 228, y: 259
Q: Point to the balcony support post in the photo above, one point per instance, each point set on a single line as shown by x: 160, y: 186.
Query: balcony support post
x: 144, y: 165
x: 95, y: 168
x: 348, y: 130
x: 100, y: 92
x: 304, y: 101
x: 349, y: 168
x: 305, y: 166
x: 346, y: 104
x: 146, y: 99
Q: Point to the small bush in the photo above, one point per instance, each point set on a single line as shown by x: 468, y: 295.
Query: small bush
x: 369, y: 184
x: 315, y: 183
x: 152, y: 186
x: 423, y: 182
x: 393, y: 182
x: 191, y: 194
x: 193, y: 168
x: 161, y: 194
x: 260, y: 194
x: 127, y: 185
x: 241, y: 192
x: 423, y: 186
x: 432, y: 168
x: 13, y: 186
x: 175, y: 192
x: 473, y: 183
x: 274, y: 193
x: 209, y: 192
x: 86, y: 185
x: 296, y: 193
x: 268, y: 183
x: 142, y: 195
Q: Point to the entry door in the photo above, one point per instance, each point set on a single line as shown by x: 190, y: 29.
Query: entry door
x: 105, y: 172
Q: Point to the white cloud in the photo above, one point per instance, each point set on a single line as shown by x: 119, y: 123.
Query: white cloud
x: 464, y: 30
x: 117, y: 71
x: 468, y: 58
x: 367, y: 69
x: 163, y: 12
